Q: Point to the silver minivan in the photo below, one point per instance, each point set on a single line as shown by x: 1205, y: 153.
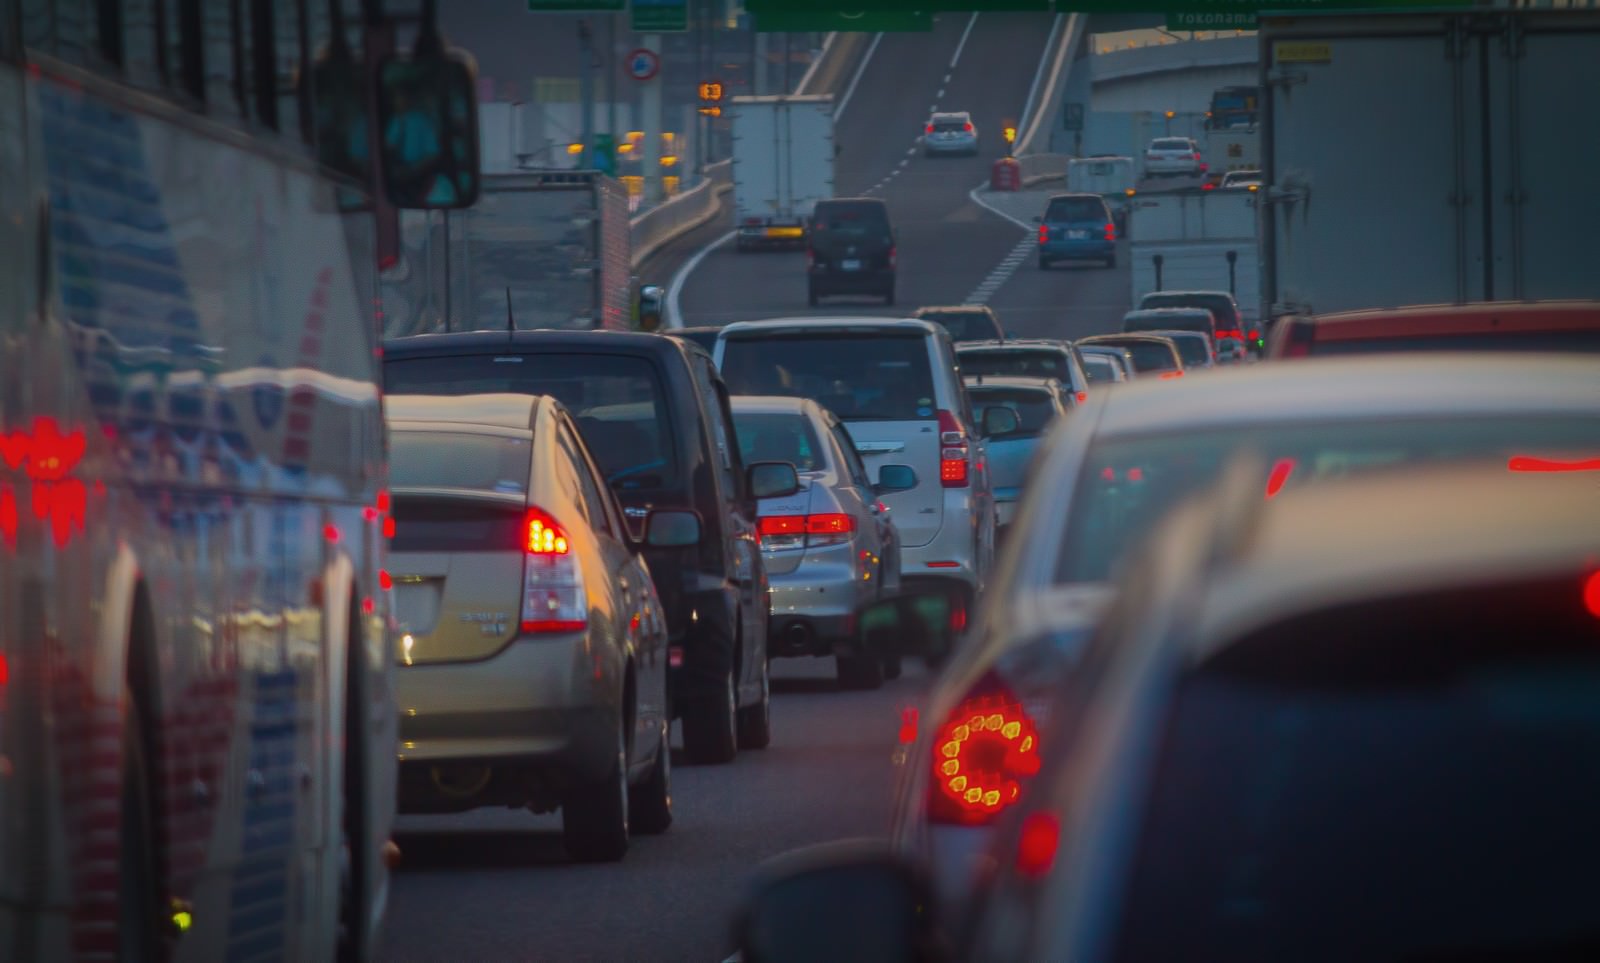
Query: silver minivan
x: 896, y: 385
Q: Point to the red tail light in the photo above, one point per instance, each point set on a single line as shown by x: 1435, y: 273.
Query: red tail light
x: 952, y: 451
x: 1208, y: 187
x: 1171, y: 375
x: 553, y: 596
x: 1111, y: 231
x: 981, y: 756
x: 1037, y: 844
x: 811, y: 259
x: 814, y: 531
x: 967, y: 127
x: 1234, y: 333
x: 1044, y: 233
x: 929, y: 130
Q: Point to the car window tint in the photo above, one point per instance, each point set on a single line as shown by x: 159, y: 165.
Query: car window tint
x: 722, y: 432
x: 778, y: 437
x: 870, y: 377
x: 1041, y: 363
x: 590, y: 490
x: 1183, y: 321
x: 1100, y: 369
x: 1150, y: 355
x: 852, y: 458
x: 1404, y: 782
x: 1170, y: 143
x: 1076, y: 210
x: 439, y: 458
x: 1192, y: 350
x: 1128, y: 484
x: 965, y: 325
x: 854, y: 219
x: 1034, y: 409
x: 1226, y: 312
x: 618, y: 402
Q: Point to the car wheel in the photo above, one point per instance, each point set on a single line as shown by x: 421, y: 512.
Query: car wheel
x: 891, y: 667
x: 710, y: 725
x: 860, y: 671
x: 594, y: 818
x: 755, y: 722
x: 650, y: 802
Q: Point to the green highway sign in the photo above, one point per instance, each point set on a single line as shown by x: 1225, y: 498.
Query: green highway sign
x: 576, y: 6
x: 818, y: 10
x: 1224, y: 20
x: 660, y: 16
x: 824, y: 21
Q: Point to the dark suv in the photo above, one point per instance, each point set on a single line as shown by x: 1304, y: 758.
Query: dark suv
x: 654, y: 412
x: 851, y: 251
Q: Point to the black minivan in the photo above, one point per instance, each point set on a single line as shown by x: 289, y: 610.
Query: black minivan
x: 851, y: 250
x: 655, y: 414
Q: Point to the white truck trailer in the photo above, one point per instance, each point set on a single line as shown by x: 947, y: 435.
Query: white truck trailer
x: 783, y: 152
x: 1197, y: 240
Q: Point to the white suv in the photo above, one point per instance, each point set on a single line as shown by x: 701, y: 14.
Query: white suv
x: 1173, y: 157
x: 896, y: 385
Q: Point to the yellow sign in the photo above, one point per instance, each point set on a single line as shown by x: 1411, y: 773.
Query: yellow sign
x: 715, y: 110
x: 1010, y: 134
x: 711, y: 91
x: 1302, y: 53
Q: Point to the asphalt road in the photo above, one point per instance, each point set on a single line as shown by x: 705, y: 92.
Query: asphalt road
x: 496, y: 885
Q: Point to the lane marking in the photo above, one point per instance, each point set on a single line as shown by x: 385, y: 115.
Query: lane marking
x: 849, y: 91
x: 975, y: 195
x: 1063, y: 23
x: 1001, y: 273
x: 911, y: 150
x: 811, y: 71
x: 956, y: 57
x: 674, y: 317
x: 939, y: 95
x: 947, y: 78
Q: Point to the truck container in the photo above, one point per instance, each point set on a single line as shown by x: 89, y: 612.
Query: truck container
x: 783, y: 152
x: 539, y: 250
x: 1113, y: 178
x: 1427, y: 159
x: 1197, y: 240
x: 1231, y: 149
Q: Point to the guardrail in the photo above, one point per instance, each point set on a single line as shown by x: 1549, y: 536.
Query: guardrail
x: 694, y: 207
x: 1042, y: 167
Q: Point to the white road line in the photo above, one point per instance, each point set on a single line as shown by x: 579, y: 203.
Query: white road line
x: 956, y: 57
x: 860, y: 69
x: 947, y: 78
x: 811, y: 71
x: 911, y: 150
x: 903, y: 162
x: 939, y: 95
x: 674, y: 318
x: 976, y: 196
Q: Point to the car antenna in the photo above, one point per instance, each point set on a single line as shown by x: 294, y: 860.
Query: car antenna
x: 511, y: 323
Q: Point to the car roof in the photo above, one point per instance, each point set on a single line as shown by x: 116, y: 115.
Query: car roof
x: 1353, y: 539
x: 786, y: 325
x: 1018, y: 344
x: 1057, y: 197
x: 1113, y: 339
x: 1168, y: 312
x: 954, y: 309
x: 1051, y: 385
x: 1186, y: 294
x: 835, y: 201
x: 498, y: 409
x: 772, y: 404
x: 1353, y: 388
x: 1181, y: 334
x: 1486, y: 316
x: 542, y: 340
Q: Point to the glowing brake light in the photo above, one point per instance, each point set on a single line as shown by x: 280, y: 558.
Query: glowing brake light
x: 1171, y: 375
x: 967, y: 127
x: 813, y: 531
x: 1044, y: 233
x: 553, y: 596
x: 952, y: 451
x: 1111, y: 231
x: 1591, y: 594
x: 929, y: 130
x: 1037, y: 844
x: 981, y: 756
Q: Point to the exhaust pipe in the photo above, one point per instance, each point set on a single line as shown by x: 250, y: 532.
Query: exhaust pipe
x: 797, y: 635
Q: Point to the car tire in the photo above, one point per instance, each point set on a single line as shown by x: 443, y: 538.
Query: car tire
x: 710, y: 727
x: 860, y: 672
x: 594, y: 817
x: 891, y: 667
x: 755, y: 722
x: 650, y: 802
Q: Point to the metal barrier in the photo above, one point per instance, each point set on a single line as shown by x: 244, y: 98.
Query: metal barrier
x: 1042, y: 167
x: 690, y: 209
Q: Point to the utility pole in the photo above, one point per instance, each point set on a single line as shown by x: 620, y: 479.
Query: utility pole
x: 611, y: 79
x: 586, y: 94
x: 786, y: 55
x: 650, y: 108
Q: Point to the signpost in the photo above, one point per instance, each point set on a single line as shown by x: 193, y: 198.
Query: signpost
x: 660, y: 16
x: 1072, y: 116
x: 643, y: 64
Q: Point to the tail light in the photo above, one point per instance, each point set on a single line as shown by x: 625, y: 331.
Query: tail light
x: 1208, y: 186
x: 553, y: 598
x: 952, y: 451
x: 929, y: 130
x: 893, y: 256
x: 1256, y: 339
x: 1111, y: 231
x: 982, y: 756
x: 812, y: 531
x: 1044, y: 233
x: 1172, y: 375
x: 1234, y: 333
x: 1037, y: 844
x: 967, y: 127
x: 1195, y: 156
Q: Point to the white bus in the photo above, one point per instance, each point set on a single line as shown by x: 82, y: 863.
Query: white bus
x: 197, y: 717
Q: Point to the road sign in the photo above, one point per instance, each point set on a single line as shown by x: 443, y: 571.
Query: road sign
x: 605, y: 154
x: 660, y: 16
x: 804, y: 20
x: 1225, y: 20
x: 576, y: 6
x: 1072, y: 116
x: 643, y: 64
x: 823, y: 8
x: 711, y: 91
x: 715, y: 110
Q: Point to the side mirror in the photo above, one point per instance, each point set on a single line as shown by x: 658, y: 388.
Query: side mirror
x: 849, y: 902
x: 428, y: 129
x: 998, y: 421
x: 674, y: 528
x: 772, y: 479
x: 895, y: 478
x: 651, y: 301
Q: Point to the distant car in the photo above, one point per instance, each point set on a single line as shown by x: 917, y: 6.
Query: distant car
x: 1173, y: 157
x: 852, y: 250
x: 831, y: 549
x: 1241, y: 180
x: 1121, y: 359
x: 1152, y: 353
x: 533, y: 664
x: 704, y: 337
x: 655, y: 413
x: 1037, y: 403
x: 967, y: 322
x: 1221, y: 304
x: 895, y: 384
x: 950, y: 133
x: 1482, y: 326
x: 1077, y: 227
x: 1030, y: 358
x: 1170, y: 319
x: 1195, y: 347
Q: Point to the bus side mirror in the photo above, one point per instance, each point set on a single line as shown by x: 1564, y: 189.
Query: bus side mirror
x: 428, y: 127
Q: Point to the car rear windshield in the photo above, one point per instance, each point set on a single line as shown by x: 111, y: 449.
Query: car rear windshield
x: 861, y: 220
x: 1423, y: 789
x: 1128, y: 484
x: 869, y: 376
x: 966, y: 325
x: 1187, y: 321
x: 1099, y: 369
x: 1076, y: 210
x: 618, y: 401
x: 778, y: 437
x: 1033, y: 407
x: 1193, y: 351
x: 1226, y: 312
x: 948, y: 125
x: 1587, y: 341
x: 440, y: 458
x: 1170, y: 143
x: 1149, y: 355
x: 1040, y: 363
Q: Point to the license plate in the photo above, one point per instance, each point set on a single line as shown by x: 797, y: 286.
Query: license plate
x: 1077, y: 234
x: 850, y: 264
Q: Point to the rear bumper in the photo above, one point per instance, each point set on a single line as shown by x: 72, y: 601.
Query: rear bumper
x: 967, y: 145
x: 866, y: 281
x: 951, y: 556
x: 814, y: 607
x: 1077, y: 249
x: 1172, y: 168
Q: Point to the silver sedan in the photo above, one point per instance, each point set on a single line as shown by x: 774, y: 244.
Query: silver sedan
x: 830, y: 549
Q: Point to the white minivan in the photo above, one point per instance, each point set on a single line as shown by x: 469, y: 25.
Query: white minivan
x: 895, y: 384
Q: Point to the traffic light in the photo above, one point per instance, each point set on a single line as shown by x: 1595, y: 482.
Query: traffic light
x: 1010, y: 134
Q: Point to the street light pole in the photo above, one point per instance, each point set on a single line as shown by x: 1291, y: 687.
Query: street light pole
x: 586, y: 95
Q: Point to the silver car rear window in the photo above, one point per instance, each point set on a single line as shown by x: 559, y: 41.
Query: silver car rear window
x: 447, y: 458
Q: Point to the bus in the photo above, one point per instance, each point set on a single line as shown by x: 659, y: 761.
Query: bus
x: 197, y: 711
x: 1233, y: 107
